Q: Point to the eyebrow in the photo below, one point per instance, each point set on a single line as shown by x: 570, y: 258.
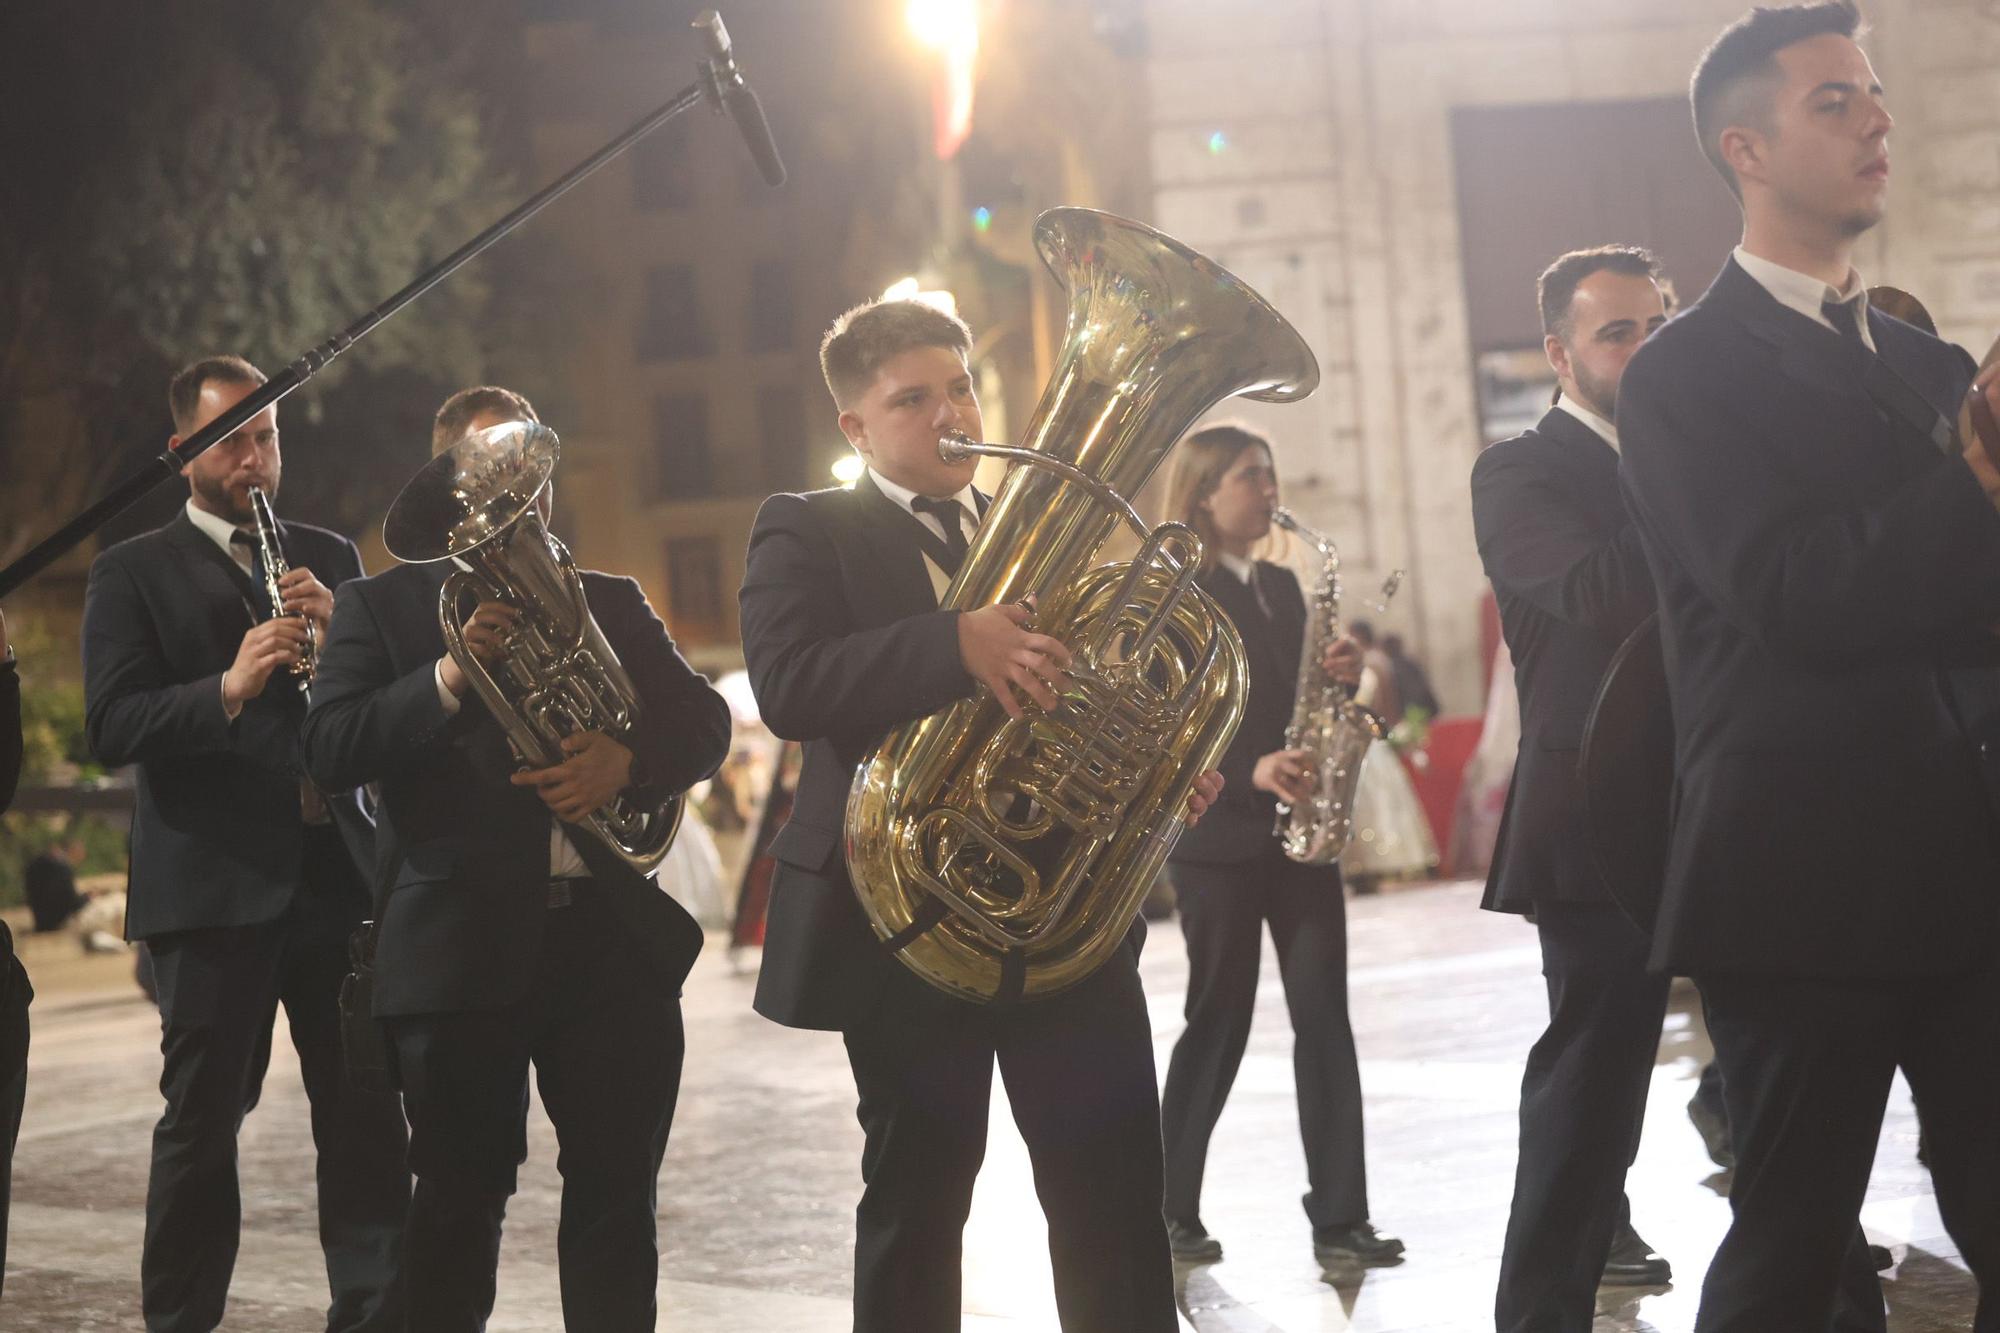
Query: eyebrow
x: 1615, y: 326
x: 1841, y: 86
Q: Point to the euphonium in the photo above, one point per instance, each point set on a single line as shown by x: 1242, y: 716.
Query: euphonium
x: 475, y: 505
x: 1004, y: 859
x: 1333, y: 727
x: 272, y: 552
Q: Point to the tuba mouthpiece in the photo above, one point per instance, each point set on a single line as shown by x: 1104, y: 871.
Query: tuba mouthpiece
x: 955, y: 445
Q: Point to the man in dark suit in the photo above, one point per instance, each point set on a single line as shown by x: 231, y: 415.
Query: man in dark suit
x: 1825, y: 558
x: 844, y: 640
x: 510, y: 935
x: 1571, y: 583
x: 241, y: 888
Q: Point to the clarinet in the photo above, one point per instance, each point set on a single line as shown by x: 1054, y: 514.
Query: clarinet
x: 275, y: 568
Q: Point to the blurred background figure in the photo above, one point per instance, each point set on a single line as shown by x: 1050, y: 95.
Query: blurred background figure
x: 1412, y: 682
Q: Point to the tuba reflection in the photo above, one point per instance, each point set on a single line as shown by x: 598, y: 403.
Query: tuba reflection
x: 1004, y: 859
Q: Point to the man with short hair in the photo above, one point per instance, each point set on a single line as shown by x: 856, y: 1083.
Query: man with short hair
x: 241, y: 887
x: 1827, y: 559
x: 510, y: 936
x: 844, y: 639
x: 1571, y: 583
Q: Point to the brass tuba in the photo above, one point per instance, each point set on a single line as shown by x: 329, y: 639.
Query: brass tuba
x: 474, y: 505
x: 1328, y: 722
x: 1002, y: 859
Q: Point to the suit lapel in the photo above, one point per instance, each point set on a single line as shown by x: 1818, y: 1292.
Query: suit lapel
x: 219, y: 581
x: 899, y: 540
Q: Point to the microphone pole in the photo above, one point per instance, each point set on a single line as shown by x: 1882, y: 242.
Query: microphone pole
x: 733, y: 95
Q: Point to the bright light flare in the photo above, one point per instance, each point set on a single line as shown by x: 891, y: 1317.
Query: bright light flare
x: 950, y: 29
x: 910, y: 289
x: 947, y: 26
x: 847, y: 469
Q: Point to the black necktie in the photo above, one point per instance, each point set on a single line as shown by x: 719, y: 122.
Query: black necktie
x: 1842, y: 315
x: 950, y: 515
x: 241, y: 538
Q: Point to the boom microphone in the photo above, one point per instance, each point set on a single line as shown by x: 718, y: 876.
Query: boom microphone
x: 725, y: 83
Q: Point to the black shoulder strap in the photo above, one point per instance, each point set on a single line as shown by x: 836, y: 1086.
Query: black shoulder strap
x: 1894, y: 395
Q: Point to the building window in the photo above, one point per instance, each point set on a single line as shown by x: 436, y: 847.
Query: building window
x: 694, y: 586
x: 662, y: 174
x: 671, y: 326
x: 771, y: 313
x: 781, y: 429
x: 682, y: 467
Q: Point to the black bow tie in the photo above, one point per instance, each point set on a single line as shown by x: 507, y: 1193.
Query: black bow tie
x: 950, y: 515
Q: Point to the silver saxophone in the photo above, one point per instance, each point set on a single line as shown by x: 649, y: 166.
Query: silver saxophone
x: 1333, y: 727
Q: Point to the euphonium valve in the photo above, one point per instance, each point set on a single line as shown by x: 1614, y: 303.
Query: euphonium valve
x: 1004, y: 859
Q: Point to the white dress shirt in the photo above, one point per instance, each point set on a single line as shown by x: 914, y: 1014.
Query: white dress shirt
x: 1805, y: 293
x: 219, y: 530
x: 968, y: 520
x: 1606, y: 431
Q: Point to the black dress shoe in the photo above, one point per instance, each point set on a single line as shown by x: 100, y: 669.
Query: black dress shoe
x: 1355, y: 1243
x: 1632, y: 1262
x: 1191, y: 1242
x: 1714, y: 1130
x: 1880, y: 1256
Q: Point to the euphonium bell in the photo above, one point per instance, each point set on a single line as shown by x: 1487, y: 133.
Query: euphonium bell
x: 1002, y: 859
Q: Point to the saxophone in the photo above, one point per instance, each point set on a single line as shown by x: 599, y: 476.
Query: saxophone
x: 1004, y: 859
x: 1333, y: 727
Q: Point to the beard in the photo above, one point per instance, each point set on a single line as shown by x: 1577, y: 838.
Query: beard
x: 218, y: 499
x: 1600, y: 396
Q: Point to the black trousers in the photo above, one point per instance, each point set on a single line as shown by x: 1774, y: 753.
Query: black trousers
x: 1583, y: 1102
x: 606, y: 1047
x: 219, y: 993
x: 1806, y: 1069
x: 1223, y: 911
x: 1078, y: 1069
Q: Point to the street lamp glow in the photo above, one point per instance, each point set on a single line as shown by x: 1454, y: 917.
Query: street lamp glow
x: 950, y: 26
x: 847, y: 469
x: 902, y: 289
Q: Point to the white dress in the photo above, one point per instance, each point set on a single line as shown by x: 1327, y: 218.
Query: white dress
x: 1392, y: 835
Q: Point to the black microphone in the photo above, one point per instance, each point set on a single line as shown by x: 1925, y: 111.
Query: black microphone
x: 725, y: 83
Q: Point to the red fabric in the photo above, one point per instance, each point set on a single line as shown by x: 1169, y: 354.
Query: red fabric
x: 1437, y: 777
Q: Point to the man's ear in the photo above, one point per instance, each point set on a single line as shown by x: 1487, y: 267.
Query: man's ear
x: 856, y: 433
x: 1743, y: 150
x: 1558, y: 355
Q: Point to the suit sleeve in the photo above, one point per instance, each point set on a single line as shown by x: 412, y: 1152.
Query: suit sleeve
x: 365, y: 718
x: 10, y: 734
x: 682, y: 734
x: 133, y: 711
x: 1536, y: 546
x: 813, y: 674
x: 1919, y: 564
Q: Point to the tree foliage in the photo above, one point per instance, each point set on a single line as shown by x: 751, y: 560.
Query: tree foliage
x: 192, y: 176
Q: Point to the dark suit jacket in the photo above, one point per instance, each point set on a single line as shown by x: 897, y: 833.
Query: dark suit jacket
x: 1571, y: 582
x: 843, y: 640
x: 1820, y: 569
x: 468, y: 850
x: 216, y: 834
x: 1240, y: 826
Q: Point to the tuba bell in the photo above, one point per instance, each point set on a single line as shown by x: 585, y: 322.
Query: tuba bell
x: 1004, y: 859
x: 475, y: 505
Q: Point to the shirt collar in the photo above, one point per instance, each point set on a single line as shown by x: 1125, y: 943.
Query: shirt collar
x: 1237, y: 565
x: 214, y: 527
x: 1604, y: 430
x: 1805, y: 293
x: 904, y: 496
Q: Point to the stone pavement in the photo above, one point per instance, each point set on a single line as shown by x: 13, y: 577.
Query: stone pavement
x: 757, y: 1193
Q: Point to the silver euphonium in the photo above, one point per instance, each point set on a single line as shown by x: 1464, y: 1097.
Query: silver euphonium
x: 272, y: 552
x: 1333, y: 727
x: 475, y: 505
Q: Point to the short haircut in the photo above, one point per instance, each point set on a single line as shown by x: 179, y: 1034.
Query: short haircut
x: 1555, y: 290
x: 184, y: 390
x: 1735, y: 79
x: 874, y: 332
x: 459, y: 410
